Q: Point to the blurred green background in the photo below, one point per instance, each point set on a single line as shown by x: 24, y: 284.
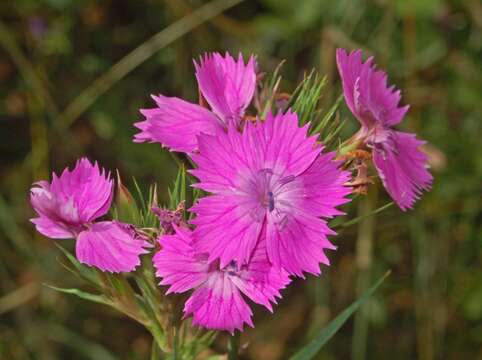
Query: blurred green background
x: 51, y: 51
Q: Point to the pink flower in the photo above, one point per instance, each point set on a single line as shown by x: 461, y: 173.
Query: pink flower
x: 72, y: 200
x: 401, y: 165
x: 270, y: 181
x: 228, y: 87
x: 216, y: 302
x: 69, y: 205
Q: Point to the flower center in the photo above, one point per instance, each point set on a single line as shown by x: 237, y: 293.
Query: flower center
x: 381, y: 140
x: 266, y: 192
x: 272, y: 186
x: 231, y: 268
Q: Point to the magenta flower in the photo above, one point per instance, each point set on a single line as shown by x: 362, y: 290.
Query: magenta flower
x: 270, y: 181
x: 401, y: 165
x: 227, y: 85
x: 69, y: 205
x: 216, y: 302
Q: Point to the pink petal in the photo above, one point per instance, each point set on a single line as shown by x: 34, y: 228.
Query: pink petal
x: 216, y: 302
x: 324, y: 184
x: 366, y: 91
x: 59, y: 210
x: 296, y: 236
x: 178, y: 264
x: 88, y: 186
x: 176, y: 123
x: 403, y: 169
x: 51, y: 229
x: 285, y: 145
x: 218, y: 305
x: 72, y: 200
x: 227, y: 228
x: 297, y: 243
x: 227, y: 85
x: 260, y: 280
x: 109, y: 246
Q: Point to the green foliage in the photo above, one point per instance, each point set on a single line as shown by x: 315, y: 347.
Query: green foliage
x: 100, y: 299
x: 304, y: 100
x: 310, y: 350
x: 178, y: 192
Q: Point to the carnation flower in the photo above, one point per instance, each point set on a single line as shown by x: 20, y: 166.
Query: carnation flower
x: 69, y: 205
x: 226, y: 84
x: 272, y: 180
x: 217, y: 302
x: 401, y: 165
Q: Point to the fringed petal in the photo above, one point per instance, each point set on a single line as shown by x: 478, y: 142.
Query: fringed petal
x: 403, y: 169
x: 176, y: 123
x: 110, y: 246
x: 227, y: 84
x: 366, y: 91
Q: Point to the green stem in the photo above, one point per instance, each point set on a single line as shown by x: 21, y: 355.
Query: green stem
x: 364, y: 252
x: 152, y: 308
x: 155, y: 351
x: 233, y: 346
x: 159, y: 340
x: 364, y: 216
x: 175, y: 344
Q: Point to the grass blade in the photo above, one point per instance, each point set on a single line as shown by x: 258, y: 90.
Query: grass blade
x: 310, y: 350
x: 140, y: 54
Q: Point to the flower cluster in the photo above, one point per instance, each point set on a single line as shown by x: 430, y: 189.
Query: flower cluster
x: 268, y: 188
x: 271, y: 188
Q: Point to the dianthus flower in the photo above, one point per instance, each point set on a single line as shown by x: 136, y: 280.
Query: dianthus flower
x: 69, y: 205
x: 226, y: 84
x: 272, y: 180
x: 216, y: 302
x: 401, y: 165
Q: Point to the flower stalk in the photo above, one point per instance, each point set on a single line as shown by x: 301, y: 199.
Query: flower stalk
x: 233, y: 346
x: 364, y: 256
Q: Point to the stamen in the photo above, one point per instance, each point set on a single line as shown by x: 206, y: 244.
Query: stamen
x: 270, y: 201
x: 286, y: 180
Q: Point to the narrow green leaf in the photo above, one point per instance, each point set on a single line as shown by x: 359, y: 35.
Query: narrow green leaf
x: 305, y: 98
x: 359, y: 218
x: 333, y: 132
x: 100, y: 299
x: 178, y: 193
x: 148, y: 218
x: 139, y: 193
x: 310, y: 350
x: 326, y: 119
x: 198, y: 344
x: 85, y: 272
